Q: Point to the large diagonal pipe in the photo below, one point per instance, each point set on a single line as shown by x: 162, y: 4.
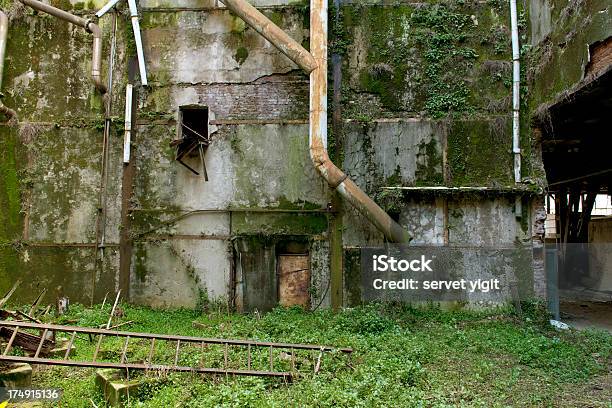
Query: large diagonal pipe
x: 10, y: 114
x: 273, y: 33
x: 318, y: 133
x: 315, y: 64
x: 93, y: 28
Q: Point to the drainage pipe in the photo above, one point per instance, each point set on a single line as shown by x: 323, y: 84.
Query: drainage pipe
x: 94, y: 29
x: 10, y: 114
x: 516, y: 92
x: 272, y: 33
x: 318, y: 133
x: 138, y: 40
x: 127, y: 137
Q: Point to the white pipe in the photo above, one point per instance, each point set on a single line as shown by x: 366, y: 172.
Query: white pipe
x: 106, y: 8
x: 516, y: 93
x: 138, y: 39
x: 3, y: 38
x: 128, y: 124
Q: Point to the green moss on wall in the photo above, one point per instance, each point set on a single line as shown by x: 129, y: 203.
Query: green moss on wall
x: 278, y: 223
x: 429, y: 164
x: 479, y: 153
x: 12, y: 158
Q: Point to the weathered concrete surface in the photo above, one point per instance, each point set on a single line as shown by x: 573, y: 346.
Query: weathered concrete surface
x: 114, y: 387
x: 558, y: 60
x: 180, y: 272
x: 17, y: 375
x: 392, y: 68
x: 399, y: 152
x: 174, y: 40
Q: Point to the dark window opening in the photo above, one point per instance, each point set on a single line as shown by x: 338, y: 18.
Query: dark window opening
x: 193, y: 137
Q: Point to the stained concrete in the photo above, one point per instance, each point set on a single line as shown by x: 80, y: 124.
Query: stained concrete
x: 181, y: 229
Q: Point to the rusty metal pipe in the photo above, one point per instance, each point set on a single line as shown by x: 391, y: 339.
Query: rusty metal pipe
x: 93, y: 28
x: 10, y: 114
x: 272, y: 33
x: 318, y: 133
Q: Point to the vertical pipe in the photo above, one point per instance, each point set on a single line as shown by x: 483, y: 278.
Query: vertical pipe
x: 3, y: 39
x: 318, y: 133
x: 96, y: 61
x: 138, y: 40
x: 128, y: 124
x: 516, y: 92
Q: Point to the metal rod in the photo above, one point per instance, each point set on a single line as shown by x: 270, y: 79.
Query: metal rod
x: 11, y: 340
x: 249, y: 358
x: 125, y: 346
x: 97, y: 347
x: 42, y: 341
x: 69, y: 348
x: 225, y: 356
x: 151, y: 351
x: 169, y: 337
x: 176, y: 353
x: 110, y: 318
x: 137, y: 366
x: 292, y: 359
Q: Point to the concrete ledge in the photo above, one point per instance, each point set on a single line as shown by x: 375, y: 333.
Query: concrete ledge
x: 16, y: 375
x: 114, y: 386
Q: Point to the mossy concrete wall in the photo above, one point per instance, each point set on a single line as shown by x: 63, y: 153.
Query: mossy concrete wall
x: 425, y: 101
x: 558, y: 52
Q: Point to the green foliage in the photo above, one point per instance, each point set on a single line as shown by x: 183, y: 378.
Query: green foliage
x: 441, y: 33
x: 403, y: 356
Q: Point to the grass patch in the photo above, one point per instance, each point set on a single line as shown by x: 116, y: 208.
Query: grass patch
x: 403, y: 357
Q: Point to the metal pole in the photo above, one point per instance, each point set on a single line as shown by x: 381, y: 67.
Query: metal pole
x: 3, y: 38
x: 138, y: 40
x: 516, y: 92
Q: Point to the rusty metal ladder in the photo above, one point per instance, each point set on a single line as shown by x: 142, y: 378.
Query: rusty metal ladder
x: 253, y: 349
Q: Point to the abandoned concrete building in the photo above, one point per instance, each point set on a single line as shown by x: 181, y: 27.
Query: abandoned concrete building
x: 183, y: 173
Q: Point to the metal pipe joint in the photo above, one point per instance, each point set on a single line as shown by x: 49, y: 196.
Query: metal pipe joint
x: 89, y: 26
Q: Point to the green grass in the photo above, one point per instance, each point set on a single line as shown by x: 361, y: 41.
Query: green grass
x: 403, y: 357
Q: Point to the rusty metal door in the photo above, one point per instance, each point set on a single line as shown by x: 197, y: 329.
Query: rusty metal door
x: 294, y: 280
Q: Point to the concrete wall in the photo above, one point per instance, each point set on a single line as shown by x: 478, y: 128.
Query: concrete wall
x: 424, y: 102
x: 600, y: 261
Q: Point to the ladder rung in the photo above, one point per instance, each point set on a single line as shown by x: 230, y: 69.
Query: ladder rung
x: 70, y: 345
x: 249, y: 361
x: 176, y: 354
x: 292, y: 359
x: 125, y: 346
x: 202, y: 354
x: 151, y: 351
x: 97, y: 348
x: 10, y: 343
x: 40, y: 345
x: 225, y: 356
